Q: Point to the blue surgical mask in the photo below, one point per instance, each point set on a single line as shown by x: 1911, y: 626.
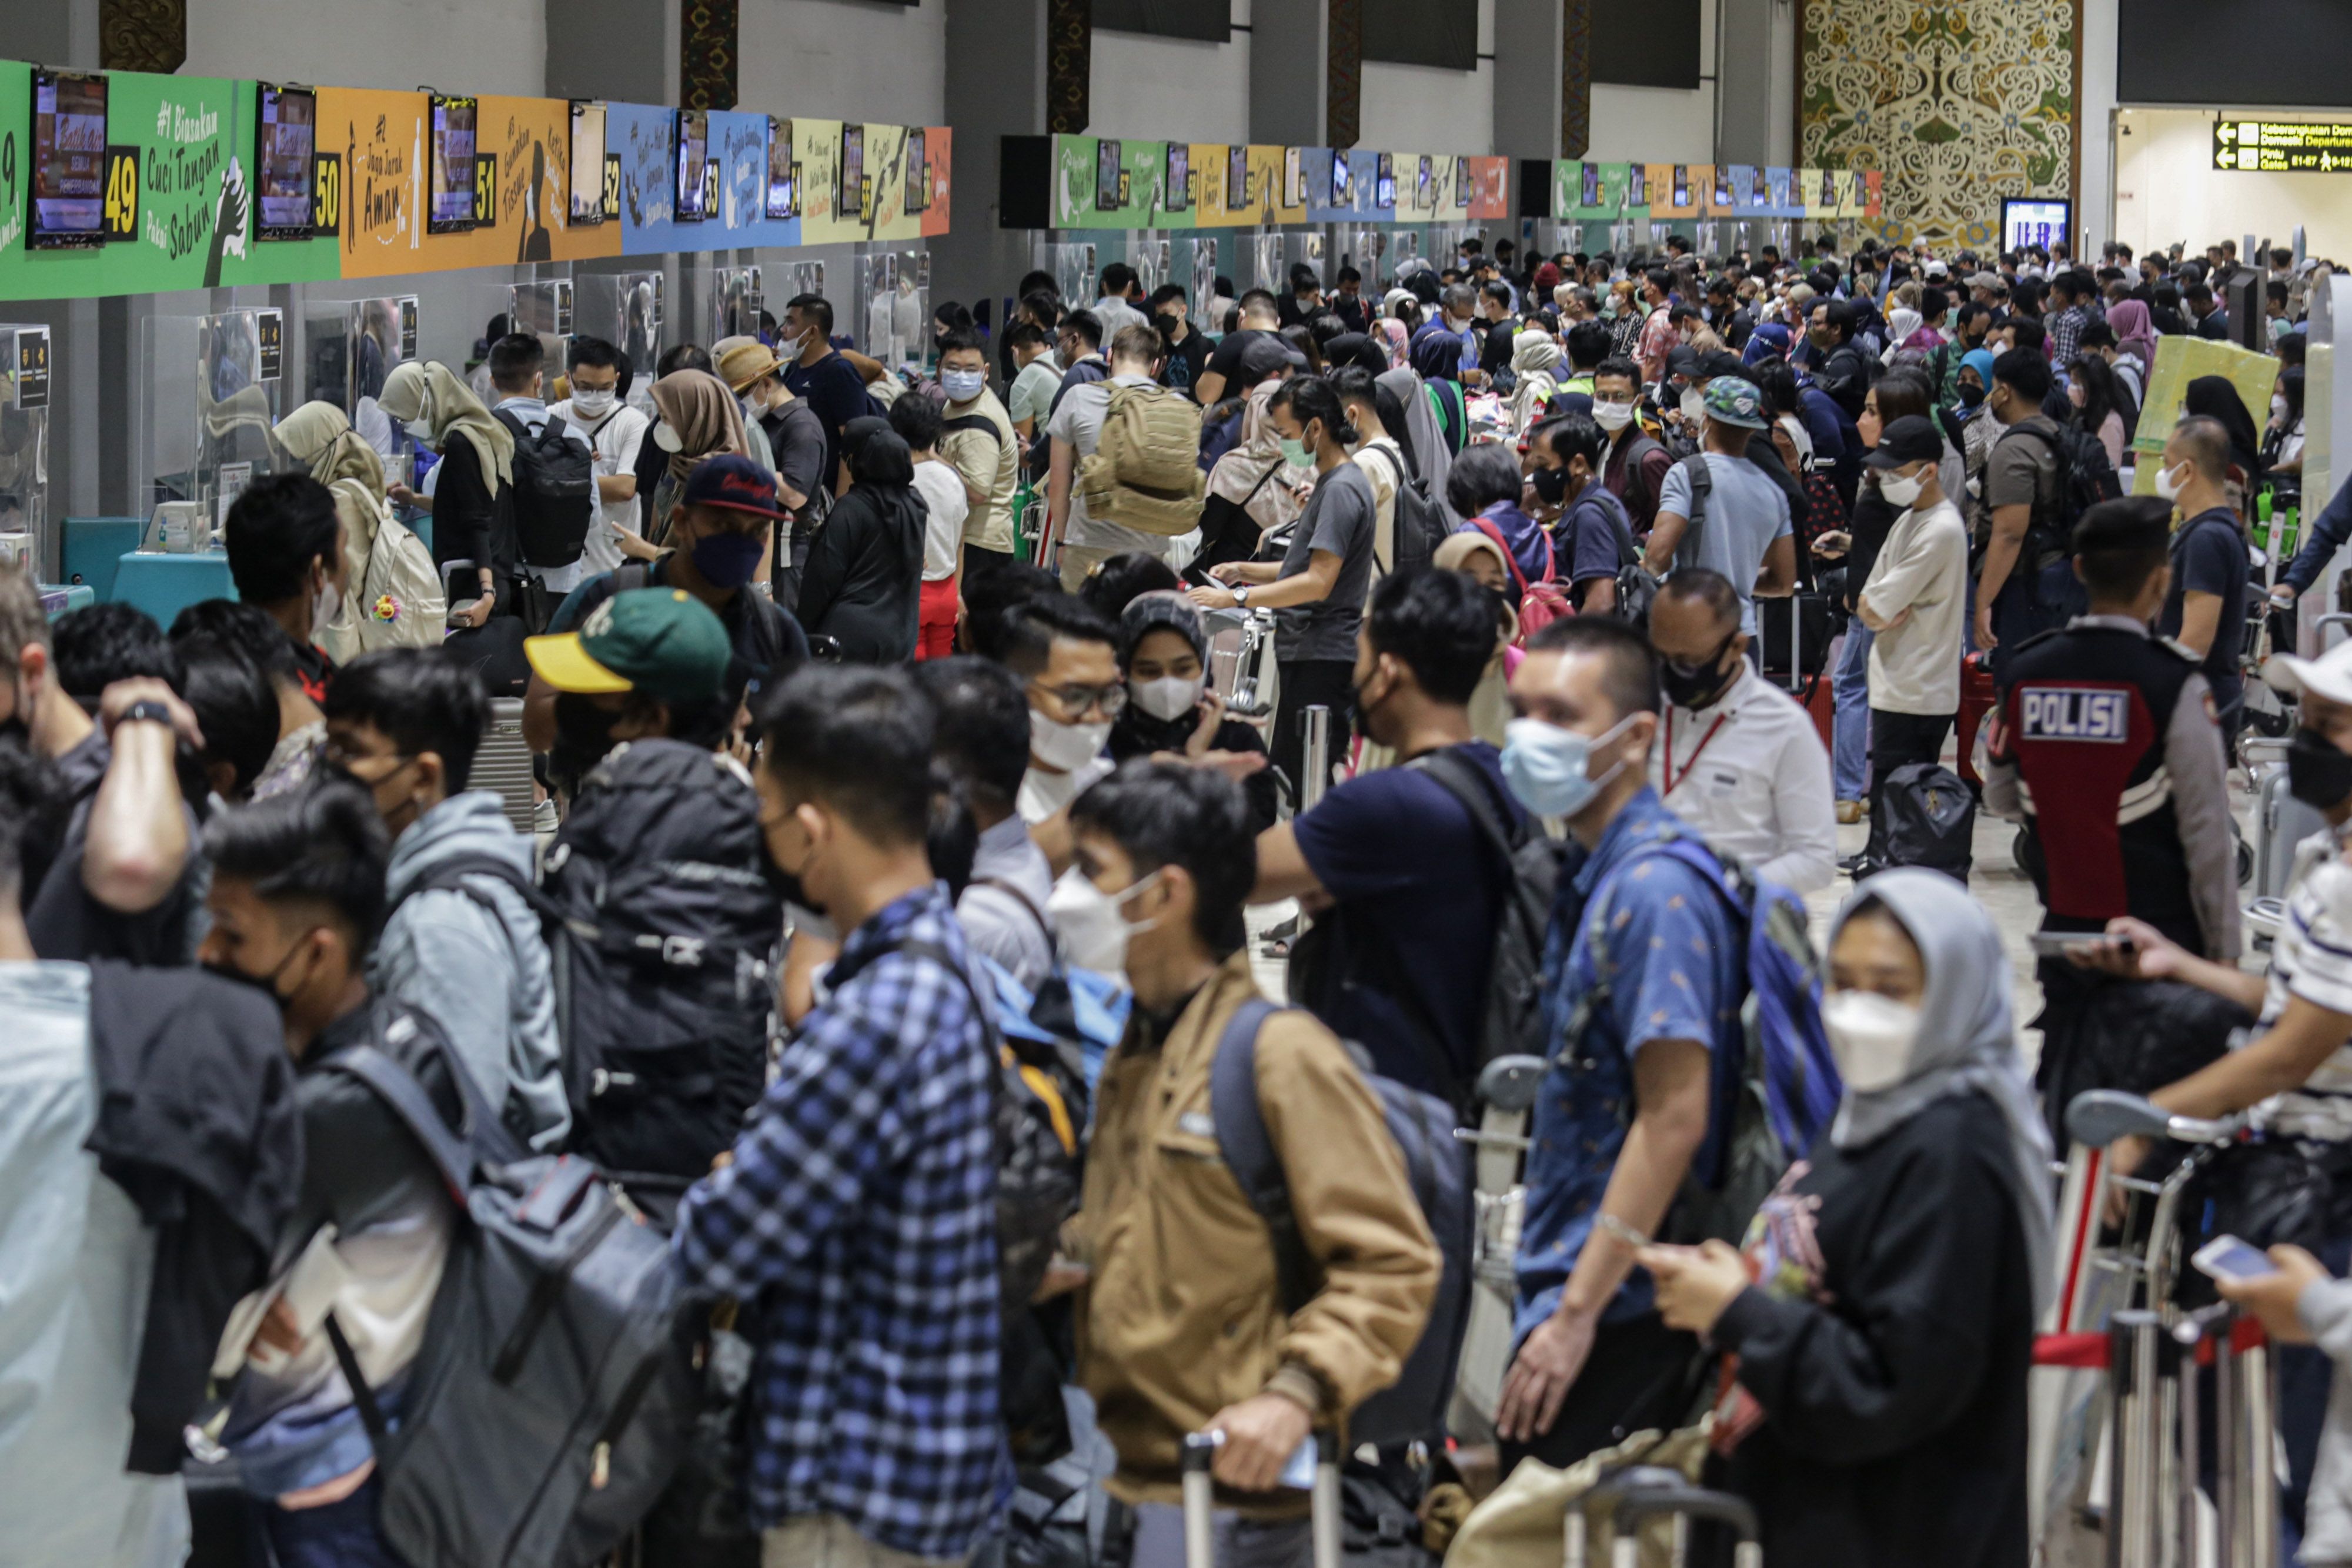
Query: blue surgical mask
x: 728, y: 560
x: 963, y: 386
x: 1546, y: 766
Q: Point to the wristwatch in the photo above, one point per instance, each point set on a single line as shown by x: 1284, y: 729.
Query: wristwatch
x: 147, y: 712
x: 1241, y: 596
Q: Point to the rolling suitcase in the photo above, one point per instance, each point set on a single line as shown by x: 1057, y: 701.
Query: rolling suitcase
x: 1636, y: 1495
x: 1200, y: 1493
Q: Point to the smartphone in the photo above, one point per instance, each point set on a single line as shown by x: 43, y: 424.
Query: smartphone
x: 2227, y: 1258
x: 2058, y: 943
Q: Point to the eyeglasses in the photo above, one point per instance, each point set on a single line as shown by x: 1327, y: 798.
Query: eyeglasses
x: 1081, y: 700
x: 341, y: 755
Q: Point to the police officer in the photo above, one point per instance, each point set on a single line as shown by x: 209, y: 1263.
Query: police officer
x: 2104, y: 746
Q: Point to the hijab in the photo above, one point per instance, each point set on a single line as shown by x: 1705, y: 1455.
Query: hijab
x: 1393, y: 339
x: 1162, y: 609
x: 2215, y: 398
x: 1356, y: 349
x: 1535, y: 359
x: 1769, y: 341
x: 698, y: 405
x: 1247, y: 475
x: 2135, y: 334
x: 1533, y: 351
x: 319, y: 434
x: 1436, y: 354
x: 456, y: 410
x: 1966, y: 1044
x: 1433, y: 456
x: 1901, y: 322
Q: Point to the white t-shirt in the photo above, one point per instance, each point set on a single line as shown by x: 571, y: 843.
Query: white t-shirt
x: 1383, y: 471
x: 616, y: 439
x: 2309, y: 959
x: 941, y: 488
x: 1923, y: 566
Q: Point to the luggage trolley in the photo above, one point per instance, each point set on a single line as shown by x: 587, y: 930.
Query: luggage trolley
x: 2118, y: 1456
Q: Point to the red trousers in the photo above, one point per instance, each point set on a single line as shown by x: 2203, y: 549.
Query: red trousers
x: 936, y: 621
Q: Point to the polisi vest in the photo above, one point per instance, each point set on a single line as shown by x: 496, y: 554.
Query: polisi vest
x: 2085, y: 718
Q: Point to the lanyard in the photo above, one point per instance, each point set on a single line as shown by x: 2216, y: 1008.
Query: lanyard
x: 1721, y: 719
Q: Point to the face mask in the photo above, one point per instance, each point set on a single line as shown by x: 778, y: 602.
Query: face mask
x: 266, y: 984
x: 593, y: 405
x: 1546, y: 766
x: 1295, y: 452
x: 1971, y: 396
x: 963, y: 386
x: 1871, y: 1036
x: 1169, y: 699
x: 2278, y: 406
x: 2317, y: 774
x: 1612, y: 416
x: 2168, y: 485
x: 1696, y: 686
x: 1901, y: 490
x: 1093, y: 934
x: 325, y: 604
x: 749, y: 407
x: 1068, y: 747
x: 420, y: 431
x: 667, y: 438
x: 728, y: 560
x: 1693, y: 406
x: 789, y: 348
x: 1551, y: 485
x: 583, y: 732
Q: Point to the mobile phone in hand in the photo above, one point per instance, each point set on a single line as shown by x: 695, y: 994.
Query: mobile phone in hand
x: 2227, y: 1258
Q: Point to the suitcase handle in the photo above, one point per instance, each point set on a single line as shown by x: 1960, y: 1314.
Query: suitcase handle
x: 1638, y: 1493
x: 1200, y: 1499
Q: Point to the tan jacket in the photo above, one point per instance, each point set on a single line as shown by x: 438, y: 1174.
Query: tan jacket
x: 1182, y: 1316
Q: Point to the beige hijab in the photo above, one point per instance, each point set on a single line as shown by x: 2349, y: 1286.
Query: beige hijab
x: 319, y: 434
x: 1238, y: 474
x: 698, y: 405
x: 411, y: 387
x: 1490, y: 704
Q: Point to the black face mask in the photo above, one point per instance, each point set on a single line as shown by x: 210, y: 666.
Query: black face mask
x: 1696, y: 687
x: 2317, y: 774
x: 266, y: 984
x: 1551, y: 485
x: 583, y: 732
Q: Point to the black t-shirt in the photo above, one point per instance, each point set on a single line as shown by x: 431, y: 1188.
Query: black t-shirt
x: 1495, y: 345
x: 1226, y: 359
x: 1894, y: 1391
x: 64, y: 919
x: 764, y: 634
x: 1418, y: 896
x: 2209, y: 555
x: 834, y: 387
x: 1186, y: 360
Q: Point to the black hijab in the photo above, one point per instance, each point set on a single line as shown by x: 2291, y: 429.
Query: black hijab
x: 1356, y: 349
x: 2215, y: 398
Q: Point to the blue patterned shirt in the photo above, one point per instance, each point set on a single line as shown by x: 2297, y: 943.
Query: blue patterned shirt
x: 859, y: 1218
x: 1674, y: 967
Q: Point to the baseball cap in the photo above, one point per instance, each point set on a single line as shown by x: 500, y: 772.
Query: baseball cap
x: 662, y: 642
x: 1985, y: 280
x: 733, y: 482
x: 1911, y: 439
x: 1682, y: 360
x: 746, y: 361
x: 1716, y: 363
x: 2329, y: 675
x: 1262, y: 356
x: 1938, y: 268
x: 1734, y: 400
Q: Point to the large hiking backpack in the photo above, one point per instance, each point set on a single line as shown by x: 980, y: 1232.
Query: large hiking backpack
x: 2084, y: 478
x: 1144, y: 472
x: 1775, y: 1086
x: 661, y: 925
x: 398, y: 602
x: 554, y: 491
x: 1438, y: 1167
x: 1421, y: 524
x: 555, y: 1384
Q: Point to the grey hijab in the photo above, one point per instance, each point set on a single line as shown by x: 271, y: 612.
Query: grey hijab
x: 1430, y: 456
x: 1967, y: 1043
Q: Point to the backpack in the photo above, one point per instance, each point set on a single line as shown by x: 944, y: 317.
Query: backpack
x: 1437, y: 1167
x: 1925, y: 817
x: 555, y: 1384
x: 1541, y: 603
x: 661, y: 925
x: 1775, y: 1084
x: 1638, y: 446
x: 1144, y: 472
x: 2084, y: 478
x: 398, y: 602
x: 554, y: 491
x: 1636, y: 589
x: 1419, y: 523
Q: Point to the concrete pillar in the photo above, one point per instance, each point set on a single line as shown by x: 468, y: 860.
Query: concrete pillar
x: 1749, y: 77
x: 2094, y: 132
x: 1528, y: 78
x: 995, y: 88
x: 598, y: 49
x: 1289, y: 95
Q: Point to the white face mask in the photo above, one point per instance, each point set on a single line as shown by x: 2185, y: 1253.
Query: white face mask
x: 2170, y: 482
x: 749, y: 406
x: 1871, y: 1036
x: 593, y: 404
x: 2278, y: 405
x: 420, y: 431
x: 1067, y: 747
x: 1694, y: 406
x: 325, y: 604
x: 1087, y: 923
x: 1170, y: 697
x: 1901, y: 490
x: 666, y: 437
x: 1612, y: 416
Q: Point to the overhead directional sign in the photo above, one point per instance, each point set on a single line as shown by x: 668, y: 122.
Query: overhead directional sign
x: 2282, y: 146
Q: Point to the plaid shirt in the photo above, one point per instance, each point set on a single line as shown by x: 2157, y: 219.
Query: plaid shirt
x: 859, y: 1217
x: 2066, y: 334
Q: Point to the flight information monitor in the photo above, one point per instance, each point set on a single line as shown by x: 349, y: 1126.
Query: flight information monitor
x: 284, y: 162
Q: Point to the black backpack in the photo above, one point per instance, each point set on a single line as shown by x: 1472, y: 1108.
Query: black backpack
x: 1925, y: 817
x: 554, y: 491
x: 662, y: 925
x: 1438, y: 1167
x: 2084, y: 478
x: 1420, y: 523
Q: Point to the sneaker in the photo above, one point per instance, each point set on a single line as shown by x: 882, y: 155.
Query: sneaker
x: 1849, y: 812
x: 1852, y: 865
x: 544, y: 818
